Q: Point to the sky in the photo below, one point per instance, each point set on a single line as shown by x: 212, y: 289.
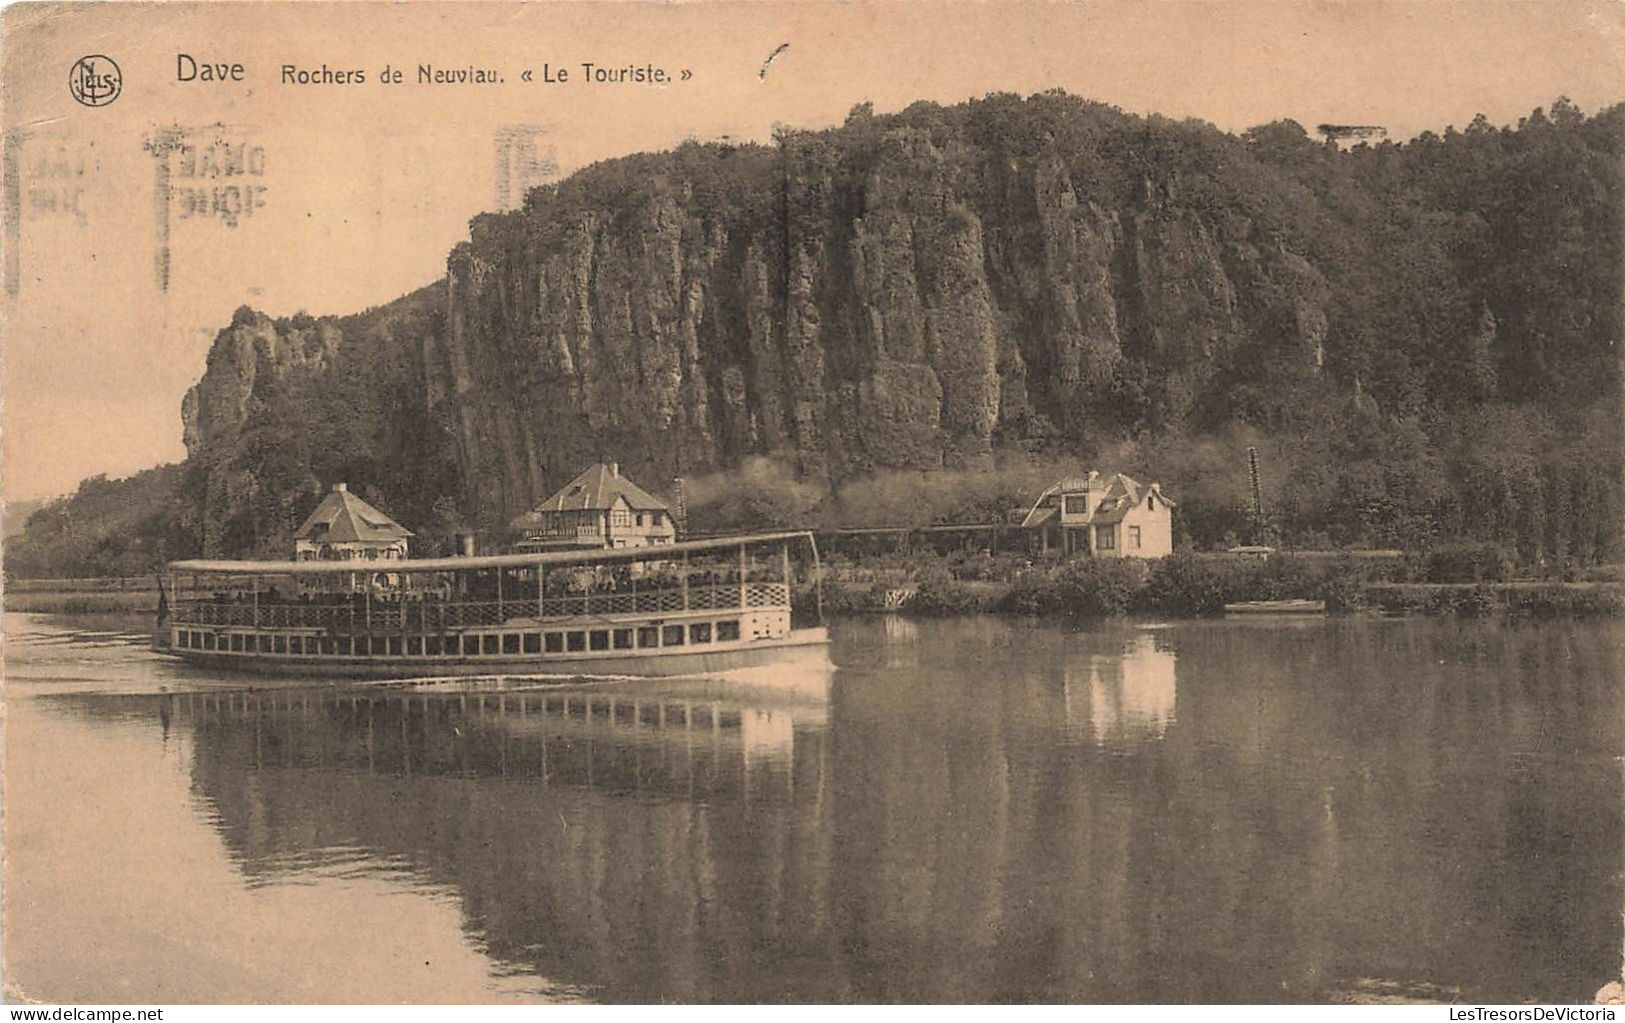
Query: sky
x: 357, y: 192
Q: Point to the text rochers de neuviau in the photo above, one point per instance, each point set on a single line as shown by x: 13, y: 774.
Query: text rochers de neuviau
x: 193, y: 69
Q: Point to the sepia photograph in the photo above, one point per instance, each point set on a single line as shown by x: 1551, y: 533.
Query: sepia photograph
x: 796, y: 502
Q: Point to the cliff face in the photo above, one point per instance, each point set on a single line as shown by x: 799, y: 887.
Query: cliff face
x: 917, y: 291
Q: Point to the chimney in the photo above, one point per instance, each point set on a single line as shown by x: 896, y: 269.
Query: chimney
x: 341, y: 487
x: 465, y: 541
x: 615, y: 469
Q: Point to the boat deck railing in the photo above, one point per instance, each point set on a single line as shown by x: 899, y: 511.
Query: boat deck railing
x: 433, y: 615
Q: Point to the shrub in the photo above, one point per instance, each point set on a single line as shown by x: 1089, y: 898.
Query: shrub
x: 1603, y: 574
x: 1465, y: 563
x: 1342, y: 587
x: 1188, y: 584
x: 988, y: 568
x: 945, y: 596
x: 1281, y: 578
x: 1099, y: 588
x: 848, y: 598
x: 1477, y: 602
x: 1558, y: 599
x: 1030, y: 594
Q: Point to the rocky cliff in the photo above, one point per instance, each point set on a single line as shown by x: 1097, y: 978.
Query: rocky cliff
x: 923, y: 290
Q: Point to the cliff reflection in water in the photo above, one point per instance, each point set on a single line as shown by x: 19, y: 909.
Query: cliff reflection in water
x: 980, y: 809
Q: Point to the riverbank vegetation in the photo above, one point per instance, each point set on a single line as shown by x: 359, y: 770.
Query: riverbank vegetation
x: 1469, y: 580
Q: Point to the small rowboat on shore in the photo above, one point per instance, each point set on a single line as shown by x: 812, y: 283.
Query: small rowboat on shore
x: 1276, y: 607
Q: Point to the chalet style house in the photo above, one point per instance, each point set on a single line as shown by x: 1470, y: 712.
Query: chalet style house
x: 346, y: 528
x: 1103, y: 516
x: 598, y: 509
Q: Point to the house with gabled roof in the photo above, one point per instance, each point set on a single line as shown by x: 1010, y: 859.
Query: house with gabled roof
x: 598, y: 509
x: 1103, y: 516
x: 346, y: 528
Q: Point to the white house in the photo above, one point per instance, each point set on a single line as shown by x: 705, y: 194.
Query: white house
x: 1108, y: 517
x: 346, y: 528
x: 598, y: 509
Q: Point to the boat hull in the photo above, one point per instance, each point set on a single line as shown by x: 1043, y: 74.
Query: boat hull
x: 800, y: 646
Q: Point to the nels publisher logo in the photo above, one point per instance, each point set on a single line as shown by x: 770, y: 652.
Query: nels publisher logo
x: 95, y: 80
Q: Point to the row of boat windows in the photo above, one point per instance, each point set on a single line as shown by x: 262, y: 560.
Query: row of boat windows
x: 467, y: 645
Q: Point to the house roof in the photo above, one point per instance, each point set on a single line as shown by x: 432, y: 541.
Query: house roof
x: 1037, y: 517
x: 1118, y: 494
x: 343, y: 517
x: 594, y: 490
x: 1122, y: 494
x: 1041, y: 510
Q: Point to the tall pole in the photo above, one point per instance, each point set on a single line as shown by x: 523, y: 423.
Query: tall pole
x: 680, y: 520
x: 1258, y: 493
x: 818, y: 579
x: 789, y: 590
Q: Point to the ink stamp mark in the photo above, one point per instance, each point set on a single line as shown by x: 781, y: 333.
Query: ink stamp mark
x: 209, y: 175
x: 95, y: 80
x: 48, y: 177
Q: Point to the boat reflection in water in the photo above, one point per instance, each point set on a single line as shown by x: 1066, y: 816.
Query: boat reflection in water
x: 590, y: 832
x: 683, y: 736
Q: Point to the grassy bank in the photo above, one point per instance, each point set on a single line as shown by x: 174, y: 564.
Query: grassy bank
x: 76, y: 602
x: 1187, y: 585
x: 93, y: 595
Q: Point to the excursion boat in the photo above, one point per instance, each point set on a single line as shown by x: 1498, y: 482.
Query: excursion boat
x: 695, y: 607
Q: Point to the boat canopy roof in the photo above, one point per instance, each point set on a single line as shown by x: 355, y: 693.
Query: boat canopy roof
x: 657, y: 552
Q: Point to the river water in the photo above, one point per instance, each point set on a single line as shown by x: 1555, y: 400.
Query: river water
x: 972, y: 809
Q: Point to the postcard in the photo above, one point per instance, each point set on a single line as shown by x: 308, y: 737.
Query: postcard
x: 762, y: 502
